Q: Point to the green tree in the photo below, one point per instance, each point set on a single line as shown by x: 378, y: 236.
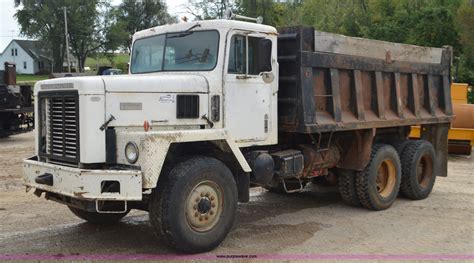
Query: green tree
x: 86, y: 32
x: 133, y: 16
x: 205, y: 10
x: 44, y: 21
x: 465, y: 25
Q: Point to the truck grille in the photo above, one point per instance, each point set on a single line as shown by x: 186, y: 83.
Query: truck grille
x: 59, y: 131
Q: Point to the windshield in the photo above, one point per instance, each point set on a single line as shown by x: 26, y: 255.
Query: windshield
x: 195, y: 50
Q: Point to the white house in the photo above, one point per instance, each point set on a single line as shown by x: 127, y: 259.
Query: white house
x: 28, y: 55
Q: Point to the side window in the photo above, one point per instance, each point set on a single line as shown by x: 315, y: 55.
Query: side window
x: 13, y: 52
x: 237, y: 53
x: 24, y: 64
x: 253, y: 55
x: 16, y: 52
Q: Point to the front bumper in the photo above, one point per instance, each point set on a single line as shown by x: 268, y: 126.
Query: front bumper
x: 84, y: 184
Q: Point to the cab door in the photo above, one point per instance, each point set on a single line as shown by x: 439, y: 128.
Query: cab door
x: 249, y: 86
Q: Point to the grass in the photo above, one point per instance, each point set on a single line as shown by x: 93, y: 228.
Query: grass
x: 103, y: 61
x: 90, y: 62
x: 30, y: 79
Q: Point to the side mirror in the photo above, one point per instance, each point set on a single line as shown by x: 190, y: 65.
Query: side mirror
x: 264, y: 55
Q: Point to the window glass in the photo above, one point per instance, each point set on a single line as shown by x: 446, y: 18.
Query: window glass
x: 237, y: 55
x: 147, y: 55
x: 237, y: 62
x: 253, y: 55
x: 191, y: 50
x: 13, y: 52
x: 195, y: 50
x: 24, y: 64
x: 16, y: 52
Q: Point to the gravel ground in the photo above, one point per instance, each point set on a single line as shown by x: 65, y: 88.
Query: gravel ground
x: 310, y: 225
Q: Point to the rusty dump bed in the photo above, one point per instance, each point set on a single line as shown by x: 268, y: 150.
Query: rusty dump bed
x: 330, y: 82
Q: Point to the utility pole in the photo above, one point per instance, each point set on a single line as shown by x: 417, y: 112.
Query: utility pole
x: 67, y: 42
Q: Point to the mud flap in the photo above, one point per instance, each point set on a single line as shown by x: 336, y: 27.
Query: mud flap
x: 437, y: 134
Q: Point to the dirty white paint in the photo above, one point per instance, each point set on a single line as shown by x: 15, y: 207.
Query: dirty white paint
x: 154, y: 147
x: 84, y: 184
x: 248, y: 109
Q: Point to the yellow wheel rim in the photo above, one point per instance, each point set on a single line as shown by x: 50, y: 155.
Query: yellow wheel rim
x: 386, y: 178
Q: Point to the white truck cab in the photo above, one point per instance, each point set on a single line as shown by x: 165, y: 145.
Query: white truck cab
x: 105, y: 139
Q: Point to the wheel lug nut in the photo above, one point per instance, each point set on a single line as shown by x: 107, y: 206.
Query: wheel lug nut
x: 196, y: 214
x: 211, y: 213
x: 197, y: 199
x: 206, y: 218
x: 202, y: 194
x: 208, y: 194
x: 213, y: 204
x: 200, y: 218
x: 194, y: 207
x: 212, y: 198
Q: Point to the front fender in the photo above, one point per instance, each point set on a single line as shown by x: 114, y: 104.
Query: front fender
x: 154, y: 146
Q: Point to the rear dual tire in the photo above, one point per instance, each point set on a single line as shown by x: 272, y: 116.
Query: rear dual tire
x: 346, y: 181
x: 418, y: 170
x: 378, y: 185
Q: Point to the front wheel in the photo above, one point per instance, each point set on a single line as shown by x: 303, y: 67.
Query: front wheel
x: 195, y: 205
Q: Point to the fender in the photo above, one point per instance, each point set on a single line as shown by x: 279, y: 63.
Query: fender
x: 154, y: 146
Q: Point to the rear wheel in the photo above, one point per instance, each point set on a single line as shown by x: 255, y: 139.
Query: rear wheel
x: 347, y: 186
x: 377, y: 186
x: 418, y: 178
x: 97, y: 218
x: 195, y: 205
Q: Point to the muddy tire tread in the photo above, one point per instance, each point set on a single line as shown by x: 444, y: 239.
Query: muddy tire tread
x: 407, y: 188
x: 347, y: 187
x: 363, y: 184
x: 161, y: 205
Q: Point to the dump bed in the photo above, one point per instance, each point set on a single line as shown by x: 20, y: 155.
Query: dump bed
x: 331, y: 82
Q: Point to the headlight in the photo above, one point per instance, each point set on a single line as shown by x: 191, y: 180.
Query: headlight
x: 131, y: 152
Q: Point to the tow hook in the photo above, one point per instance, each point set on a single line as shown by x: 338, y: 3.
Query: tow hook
x: 46, y: 179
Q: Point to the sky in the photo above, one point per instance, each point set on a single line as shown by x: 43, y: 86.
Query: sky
x: 9, y: 28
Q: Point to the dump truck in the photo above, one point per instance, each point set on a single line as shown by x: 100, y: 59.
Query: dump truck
x: 16, y: 104
x: 212, y: 108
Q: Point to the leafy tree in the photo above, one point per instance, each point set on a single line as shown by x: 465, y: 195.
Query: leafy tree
x: 133, y: 16
x: 205, y: 10
x: 465, y: 25
x: 434, y: 27
x: 44, y: 21
x: 86, y: 33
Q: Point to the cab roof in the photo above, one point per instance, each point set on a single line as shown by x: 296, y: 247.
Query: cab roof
x: 205, y: 24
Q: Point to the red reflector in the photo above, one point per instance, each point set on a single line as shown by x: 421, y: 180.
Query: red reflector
x: 146, y: 126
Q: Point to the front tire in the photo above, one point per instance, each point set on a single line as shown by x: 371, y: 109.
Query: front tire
x: 194, y: 207
x: 97, y: 218
x: 378, y: 185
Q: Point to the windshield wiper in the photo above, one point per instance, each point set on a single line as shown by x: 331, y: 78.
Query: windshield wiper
x: 186, y: 32
x: 193, y: 27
